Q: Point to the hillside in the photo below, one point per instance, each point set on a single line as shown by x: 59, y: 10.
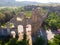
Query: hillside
x: 16, y: 3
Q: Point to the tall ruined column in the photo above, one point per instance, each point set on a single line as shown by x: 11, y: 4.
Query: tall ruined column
x: 28, y: 33
x: 34, y: 16
x: 20, y: 32
x: 37, y: 20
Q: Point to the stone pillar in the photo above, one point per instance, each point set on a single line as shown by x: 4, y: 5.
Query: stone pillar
x: 20, y: 32
x: 13, y: 34
x: 28, y: 33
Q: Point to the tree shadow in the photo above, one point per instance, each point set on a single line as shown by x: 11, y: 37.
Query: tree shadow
x: 44, y: 34
x: 7, y: 40
x: 54, y: 31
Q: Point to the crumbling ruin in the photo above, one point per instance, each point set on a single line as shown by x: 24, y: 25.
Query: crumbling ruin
x: 23, y: 25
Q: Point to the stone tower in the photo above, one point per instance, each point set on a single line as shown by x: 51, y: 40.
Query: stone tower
x: 20, y: 32
x: 37, y: 20
x: 28, y: 33
x: 36, y: 14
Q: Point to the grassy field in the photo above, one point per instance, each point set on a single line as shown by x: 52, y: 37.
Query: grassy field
x: 28, y: 13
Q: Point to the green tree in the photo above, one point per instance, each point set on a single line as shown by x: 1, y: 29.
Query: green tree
x: 56, y: 40
x: 2, y: 18
x: 52, y: 20
x: 39, y: 41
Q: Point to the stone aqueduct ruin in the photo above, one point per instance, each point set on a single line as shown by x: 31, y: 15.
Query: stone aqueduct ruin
x: 24, y: 25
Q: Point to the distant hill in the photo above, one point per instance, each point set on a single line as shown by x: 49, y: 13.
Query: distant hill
x: 16, y: 3
x: 24, y: 3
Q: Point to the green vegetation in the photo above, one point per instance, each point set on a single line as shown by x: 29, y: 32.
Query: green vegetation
x: 56, y: 40
x: 5, y: 15
x: 8, y: 13
x: 53, y: 21
x: 13, y: 41
x: 39, y: 41
x: 28, y: 13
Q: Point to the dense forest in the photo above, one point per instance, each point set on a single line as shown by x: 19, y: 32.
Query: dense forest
x: 52, y: 22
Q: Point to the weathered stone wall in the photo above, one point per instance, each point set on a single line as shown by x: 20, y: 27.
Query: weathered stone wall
x: 37, y: 20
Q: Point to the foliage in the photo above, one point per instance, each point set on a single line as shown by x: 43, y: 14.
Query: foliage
x: 13, y: 41
x: 2, y: 18
x: 23, y: 42
x: 53, y: 20
x: 39, y: 41
x: 5, y: 15
x: 7, y: 40
x: 56, y: 40
x: 28, y: 13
